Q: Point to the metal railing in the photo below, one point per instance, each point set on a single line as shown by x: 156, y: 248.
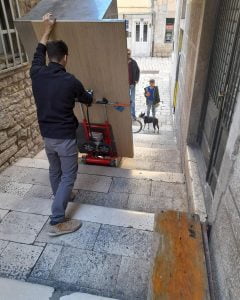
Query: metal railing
x: 12, y: 54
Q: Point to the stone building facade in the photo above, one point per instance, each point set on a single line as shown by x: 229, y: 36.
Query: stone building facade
x: 164, y: 18
x: 205, y: 90
x: 150, y: 26
x: 19, y: 131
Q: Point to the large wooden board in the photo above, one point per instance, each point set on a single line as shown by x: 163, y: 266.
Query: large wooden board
x: 179, y: 270
x: 98, y: 58
x: 79, y: 10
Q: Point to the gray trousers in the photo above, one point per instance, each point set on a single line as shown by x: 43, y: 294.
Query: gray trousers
x: 63, y: 165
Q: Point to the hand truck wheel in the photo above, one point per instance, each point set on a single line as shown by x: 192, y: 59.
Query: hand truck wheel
x: 89, y: 147
x: 104, y: 148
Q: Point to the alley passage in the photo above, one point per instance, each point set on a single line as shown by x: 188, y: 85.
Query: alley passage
x: 111, y: 254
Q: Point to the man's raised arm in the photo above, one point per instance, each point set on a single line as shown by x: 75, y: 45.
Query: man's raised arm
x: 39, y: 58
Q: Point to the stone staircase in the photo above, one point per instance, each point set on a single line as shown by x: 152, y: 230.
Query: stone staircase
x: 110, y: 256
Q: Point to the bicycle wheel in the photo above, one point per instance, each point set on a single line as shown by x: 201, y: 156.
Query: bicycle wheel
x: 136, y: 126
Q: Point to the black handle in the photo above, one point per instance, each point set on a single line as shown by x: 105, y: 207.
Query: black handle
x: 102, y: 101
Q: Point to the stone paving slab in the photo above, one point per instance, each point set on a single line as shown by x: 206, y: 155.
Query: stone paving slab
x: 35, y: 205
x: 25, y: 204
x: 36, y: 176
x: 93, y: 183
x: 156, y: 145
x: 150, y: 203
x: 116, y: 200
x: 46, y: 261
x: 3, y: 245
x: 15, y: 173
x: 21, y: 227
x: 124, y: 241
x: 154, y: 138
x: 8, y: 201
x: 83, y: 296
x: 166, y: 167
x: 84, y: 238
x: 134, y: 174
x: 3, y: 213
x: 157, y: 154
x: 132, y: 186
x: 33, y: 163
x: 19, y: 290
x: 17, y: 260
x: 41, y: 155
x: 136, y: 164
x: 154, y: 204
x: 39, y: 191
x: 110, y: 216
x: 15, y: 188
x: 133, y: 279
x: 169, y: 190
x: 87, y: 269
x: 155, y: 166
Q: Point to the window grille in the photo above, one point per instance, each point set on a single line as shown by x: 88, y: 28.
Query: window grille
x: 12, y: 54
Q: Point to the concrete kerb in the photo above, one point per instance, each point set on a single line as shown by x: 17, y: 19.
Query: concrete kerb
x: 196, y: 200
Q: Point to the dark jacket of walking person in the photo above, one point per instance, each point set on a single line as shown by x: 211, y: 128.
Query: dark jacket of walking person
x: 55, y: 92
x: 133, y: 76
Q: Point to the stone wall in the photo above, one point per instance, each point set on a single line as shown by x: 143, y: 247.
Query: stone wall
x: 225, y: 218
x: 224, y: 208
x: 19, y: 132
x: 162, y: 10
x: 26, y: 5
x: 198, y: 35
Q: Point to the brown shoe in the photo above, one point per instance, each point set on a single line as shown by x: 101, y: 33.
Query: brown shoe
x: 68, y: 226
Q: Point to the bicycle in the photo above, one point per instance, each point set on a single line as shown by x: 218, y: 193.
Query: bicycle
x: 136, y: 125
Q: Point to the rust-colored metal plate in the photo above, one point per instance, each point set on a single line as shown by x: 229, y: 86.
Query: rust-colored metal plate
x: 179, y: 271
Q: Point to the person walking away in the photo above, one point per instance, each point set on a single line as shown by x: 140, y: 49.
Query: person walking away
x: 55, y: 92
x: 151, y: 93
x: 133, y: 74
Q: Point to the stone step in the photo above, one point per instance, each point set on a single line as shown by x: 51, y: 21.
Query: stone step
x: 156, y: 166
x: 154, y: 154
x: 154, y: 141
x: 110, y: 172
x: 109, y: 256
x: 83, y: 212
x: 20, y: 290
x: 155, y: 145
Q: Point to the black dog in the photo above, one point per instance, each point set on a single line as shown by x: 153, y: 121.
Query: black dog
x: 148, y: 120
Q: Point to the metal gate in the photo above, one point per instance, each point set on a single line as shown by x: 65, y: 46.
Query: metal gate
x: 222, y: 88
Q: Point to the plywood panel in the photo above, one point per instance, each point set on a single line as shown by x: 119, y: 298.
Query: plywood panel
x: 80, y: 10
x: 98, y: 58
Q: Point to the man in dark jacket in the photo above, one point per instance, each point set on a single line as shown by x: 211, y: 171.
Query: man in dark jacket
x: 55, y: 92
x: 133, y: 75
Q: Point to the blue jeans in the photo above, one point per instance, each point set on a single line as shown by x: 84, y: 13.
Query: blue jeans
x: 149, y: 107
x: 63, y: 165
x: 132, y: 91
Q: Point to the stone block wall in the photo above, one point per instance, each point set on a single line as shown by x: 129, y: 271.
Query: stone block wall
x: 26, y: 5
x: 161, y: 12
x: 19, y: 132
x: 225, y: 218
x: 224, y: 208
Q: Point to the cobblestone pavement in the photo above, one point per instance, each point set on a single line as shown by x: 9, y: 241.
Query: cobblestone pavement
x: 110, y: 255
